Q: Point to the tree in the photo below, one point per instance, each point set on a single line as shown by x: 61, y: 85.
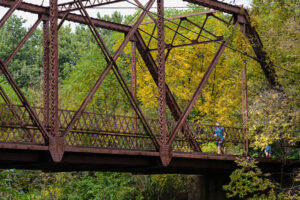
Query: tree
x: 274, y: 119
x: 249, y: 182
x: 27, y: 64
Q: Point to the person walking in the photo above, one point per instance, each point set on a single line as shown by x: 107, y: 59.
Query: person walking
x: 268, y: 151
x: 220, y: 135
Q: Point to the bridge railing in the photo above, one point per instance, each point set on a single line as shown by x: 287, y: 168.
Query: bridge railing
x: 204, y: 134
x: 96, y: 130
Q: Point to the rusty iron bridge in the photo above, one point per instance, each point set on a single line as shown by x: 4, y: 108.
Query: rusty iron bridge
x: 53, y: 139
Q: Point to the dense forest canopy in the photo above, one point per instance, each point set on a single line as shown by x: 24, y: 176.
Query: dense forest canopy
x: 273, y: 116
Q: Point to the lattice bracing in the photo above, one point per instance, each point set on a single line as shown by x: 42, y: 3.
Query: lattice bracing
x: 96, y: 130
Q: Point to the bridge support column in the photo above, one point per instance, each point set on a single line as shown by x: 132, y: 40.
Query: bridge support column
x: 208, y: 187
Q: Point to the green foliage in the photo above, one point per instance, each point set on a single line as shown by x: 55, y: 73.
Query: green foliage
x: 90, y: 185
x: 292, y: 193
x: 274, y: 118
x: 249, y: 182
x: 277, y: 23
x: 186, y: 66
x: 209, y: 147
x: 27, y: 63
x: 98, y: 186
x: 162, y: 186
x: 14, y: 184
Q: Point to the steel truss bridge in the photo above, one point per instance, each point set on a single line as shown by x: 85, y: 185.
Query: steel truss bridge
x: 53, y: 139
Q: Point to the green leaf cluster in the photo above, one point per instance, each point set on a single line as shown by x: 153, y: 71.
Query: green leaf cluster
x: 249, y: 182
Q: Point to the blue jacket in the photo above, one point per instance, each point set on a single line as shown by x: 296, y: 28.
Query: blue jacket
x: 219, y: 131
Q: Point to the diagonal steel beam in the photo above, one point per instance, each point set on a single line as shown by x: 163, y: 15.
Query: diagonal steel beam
x: 265, y: 62
x: 4, y: 65
x: 21, y: 96
x: 111, y: 64
x: 9, y: 12
x: 169, y: 46
x: 168, y: 97
x: 20, y: 45
x: 173, y: 39
x: 201, y: 85
x: 154, y: 21
x: 200, y: 27
x: 14, y: 111
x: 64, y: 17
x: 153, y: 69
x: 119, y: 76
x: 203, y: 24
x: 217, y: 5
x: 184, y: 16
x: 222, y: 20
x: 27, y: 7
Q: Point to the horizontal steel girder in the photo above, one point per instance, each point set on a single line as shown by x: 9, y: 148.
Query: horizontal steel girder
x: 217, y: 5
x: 82, y: 159
x: 40, y: 10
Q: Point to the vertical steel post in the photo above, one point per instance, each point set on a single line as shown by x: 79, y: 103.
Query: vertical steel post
x: 46, y: 86
x: 244, y: 96
x: 133, y: 69
x: 245, y: 104
x: 164, y: 149
x: 56, y: 143
x: 134, y: 90
x: 53, y: 75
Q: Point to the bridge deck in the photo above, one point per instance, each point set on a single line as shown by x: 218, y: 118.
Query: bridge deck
x: 18, y: 156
